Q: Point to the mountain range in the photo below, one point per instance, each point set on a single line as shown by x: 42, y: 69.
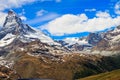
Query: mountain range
x: 100, y: 40
x: 28, y: 53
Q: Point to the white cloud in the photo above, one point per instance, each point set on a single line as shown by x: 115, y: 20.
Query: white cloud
x: 117, y: 7
x: 102, y: 14
x: 6, y: 4
x: 70, y: 24
x: 90, y: 10
x: 41, y: 12
x: 22, y: 15
x: 23, y: 18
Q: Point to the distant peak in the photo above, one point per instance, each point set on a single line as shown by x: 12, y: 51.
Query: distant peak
x: 11, y: 12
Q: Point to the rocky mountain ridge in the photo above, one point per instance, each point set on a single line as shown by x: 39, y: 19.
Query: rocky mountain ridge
x: 108, y: 40
x: 28, y: 53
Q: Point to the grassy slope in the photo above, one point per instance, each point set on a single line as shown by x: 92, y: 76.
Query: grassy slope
x: 113, y: 75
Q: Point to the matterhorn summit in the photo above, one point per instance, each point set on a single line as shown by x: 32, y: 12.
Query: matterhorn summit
x: 11, y: 19
x: 13, y: 29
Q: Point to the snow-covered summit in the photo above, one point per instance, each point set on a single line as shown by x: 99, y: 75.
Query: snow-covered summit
x: 14, y: 29
x: 11, y: 19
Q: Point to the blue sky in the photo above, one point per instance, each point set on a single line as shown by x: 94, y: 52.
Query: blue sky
x: 65, y: 18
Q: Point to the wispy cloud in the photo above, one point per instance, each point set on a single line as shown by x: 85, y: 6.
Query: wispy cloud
x: 58, y: 0
x: 90, y: 10
x: 48, y: 17
x: 41, y: 12
x: 45, y: 0
x: 51, y: 0
x: 6, y: 4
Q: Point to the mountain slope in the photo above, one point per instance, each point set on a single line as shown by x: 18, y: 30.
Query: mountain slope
x: 64, y: 67
x: 110, y: 41
x: 113, y: 75
x: 13, y: 29
x: 101, y: 41
x: 31, y: 54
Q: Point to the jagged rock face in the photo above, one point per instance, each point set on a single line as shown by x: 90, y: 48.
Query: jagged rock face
x: 14, y: 29
x: 76, y: 47
x: 12, y: 20
x: 110, y: 41
x: 79, y: 44
x: 94, y: 38
x: 63, y: 43
x: 8, y: 74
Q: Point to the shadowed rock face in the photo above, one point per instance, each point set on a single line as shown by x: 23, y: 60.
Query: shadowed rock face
x: 94, y: 38
x: 110, y: 41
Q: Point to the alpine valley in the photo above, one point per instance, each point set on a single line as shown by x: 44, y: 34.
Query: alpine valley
x: 28, y: 53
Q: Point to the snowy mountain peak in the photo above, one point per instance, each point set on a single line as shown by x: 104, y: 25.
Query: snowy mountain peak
x: 13, y: 29
x: 11, y: 12
x: 12, y: 19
